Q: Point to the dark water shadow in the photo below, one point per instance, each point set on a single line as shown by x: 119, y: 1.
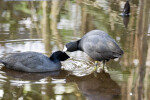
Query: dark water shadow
x: 93, y: 86
x: 126, y: 21
x: 97, y: 87
x: 34, y: 76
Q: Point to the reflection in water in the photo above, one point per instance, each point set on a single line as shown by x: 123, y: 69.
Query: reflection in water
x: 93, y: 87
x: 28, y: 76
x: 55, y: 10
x: 46, y: 29
x: 142, y: 47
x: 45, y: 26
x: 99, y: 87
x: 87, y: 21
x: 140, y: 52
x: 126, y: 21
x: 30, y: 85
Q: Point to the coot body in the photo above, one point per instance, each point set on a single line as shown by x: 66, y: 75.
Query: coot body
x: 98, y: 45
x: 34, y: 61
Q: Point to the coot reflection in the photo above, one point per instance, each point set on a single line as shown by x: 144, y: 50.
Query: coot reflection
x: 101, y: 87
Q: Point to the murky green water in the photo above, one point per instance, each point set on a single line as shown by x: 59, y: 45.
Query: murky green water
x: 45, y: 26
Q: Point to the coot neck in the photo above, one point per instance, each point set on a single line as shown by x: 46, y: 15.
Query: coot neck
x: 79, y: 45
x: 53, y: 59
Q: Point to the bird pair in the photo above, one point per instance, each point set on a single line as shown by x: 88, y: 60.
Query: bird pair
x: 96, y: 43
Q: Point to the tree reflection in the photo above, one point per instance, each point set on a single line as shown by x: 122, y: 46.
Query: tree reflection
x: 55, y: 10
x: 46, y: 29
x: 141, y: 35
x: 140, y: 53
x: 92, y: 87
x: 89, y: 14
x: 38, y: 86
x: 86, y: 21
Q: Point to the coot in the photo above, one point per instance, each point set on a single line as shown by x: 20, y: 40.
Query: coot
x: 126, y: 10
x: 97, y: 44
x: 34, y: 61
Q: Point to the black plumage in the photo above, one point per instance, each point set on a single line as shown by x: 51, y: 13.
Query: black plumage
x: 34, y: 61
x: 126, y: 10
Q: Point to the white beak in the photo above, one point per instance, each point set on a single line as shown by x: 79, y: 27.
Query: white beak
x: 65, y: 49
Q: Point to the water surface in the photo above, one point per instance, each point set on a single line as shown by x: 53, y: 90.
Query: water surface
x: 45, y: 26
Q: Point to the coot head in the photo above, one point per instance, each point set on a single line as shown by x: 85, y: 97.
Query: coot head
x: 71, y: 46
x: 59, y: 56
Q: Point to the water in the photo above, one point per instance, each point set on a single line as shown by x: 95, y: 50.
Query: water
x: 45, y: 26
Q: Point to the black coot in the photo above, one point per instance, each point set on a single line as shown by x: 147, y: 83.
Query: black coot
x: 98, y: 45
x: 34, y: 62
x: 126, y: 10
